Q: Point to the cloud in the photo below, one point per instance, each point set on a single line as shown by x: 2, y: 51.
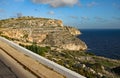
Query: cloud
x: 3, y: 2
x: 2, y: 10
x: 79, y: 4
x: 84, y: 18
x: 51, y: 13
x: 99, y: 19
x: 116, y: 5
x: 19, y: 14
x: 116, y: 18
x: 57, y: 3
x: 19, y: 0
x: 91, y: 4
x: 73, y: 17
x: 37, y: 10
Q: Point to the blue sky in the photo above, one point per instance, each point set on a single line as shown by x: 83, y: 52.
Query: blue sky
x: 83, y: 14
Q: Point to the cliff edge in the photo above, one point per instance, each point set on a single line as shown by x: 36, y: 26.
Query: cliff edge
x: 43, y: 31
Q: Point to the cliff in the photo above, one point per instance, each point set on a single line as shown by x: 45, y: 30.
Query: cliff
x: 43, y: 31
x: 50, y: 35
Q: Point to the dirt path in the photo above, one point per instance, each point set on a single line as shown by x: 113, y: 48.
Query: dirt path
x: 29, y: 64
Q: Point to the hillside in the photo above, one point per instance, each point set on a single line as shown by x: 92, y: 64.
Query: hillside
x: 43, y: 31
x: 59, y: 43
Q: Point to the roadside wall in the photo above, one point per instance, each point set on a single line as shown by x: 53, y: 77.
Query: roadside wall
x: 56, y: 67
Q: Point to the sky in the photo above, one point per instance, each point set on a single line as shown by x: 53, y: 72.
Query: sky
x: 83, y: 14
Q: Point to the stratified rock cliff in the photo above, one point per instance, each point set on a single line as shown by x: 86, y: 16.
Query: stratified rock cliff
x: 43, y: 31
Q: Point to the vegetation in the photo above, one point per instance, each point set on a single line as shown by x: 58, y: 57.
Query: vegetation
x: 97, y: 67
x: 116, y: 70
x: 79, y: 61
x: 0, y: 32
x: 82, y: 62
x: 37, y: 49
x: 25, y: 36
x: 94, y: 67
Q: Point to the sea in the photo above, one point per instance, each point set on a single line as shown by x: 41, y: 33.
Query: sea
x: 102, y: 42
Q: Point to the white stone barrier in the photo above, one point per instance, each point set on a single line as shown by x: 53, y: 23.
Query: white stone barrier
x: 56, y: 67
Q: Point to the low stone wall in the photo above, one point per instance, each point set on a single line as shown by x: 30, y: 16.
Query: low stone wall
x: 56, y: 67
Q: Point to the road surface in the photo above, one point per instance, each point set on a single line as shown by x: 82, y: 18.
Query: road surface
x: 20, y: 65
x: 5, y: 72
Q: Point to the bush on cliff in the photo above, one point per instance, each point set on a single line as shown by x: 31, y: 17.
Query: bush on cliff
x: 37, y: 49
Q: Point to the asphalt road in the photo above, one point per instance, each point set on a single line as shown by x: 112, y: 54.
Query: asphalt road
x: 24, y: 66
x: 5, y: 71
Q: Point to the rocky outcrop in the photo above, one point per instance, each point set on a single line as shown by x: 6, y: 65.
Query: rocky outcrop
x: 73, y: 31
x: 116, y: 70
x: 44, y: 32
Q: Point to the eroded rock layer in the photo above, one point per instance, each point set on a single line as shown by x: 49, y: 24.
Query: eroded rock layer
x: 43, y: 31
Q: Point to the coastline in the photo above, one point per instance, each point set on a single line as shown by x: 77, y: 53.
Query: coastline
x: 102, y: 42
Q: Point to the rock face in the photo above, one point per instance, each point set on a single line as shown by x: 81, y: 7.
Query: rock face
x: 116, y: 70
x: 43, y: 31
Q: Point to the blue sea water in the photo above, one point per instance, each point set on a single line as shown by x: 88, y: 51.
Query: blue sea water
x: 102, y: 42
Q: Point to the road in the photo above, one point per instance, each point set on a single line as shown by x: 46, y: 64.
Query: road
x: 15, y: 64
x: 5, y: 72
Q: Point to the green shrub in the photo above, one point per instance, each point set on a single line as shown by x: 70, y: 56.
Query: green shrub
x: 25, y: 36
x: 37, y: 49
x: 90, y: 53
x: 97, y: 67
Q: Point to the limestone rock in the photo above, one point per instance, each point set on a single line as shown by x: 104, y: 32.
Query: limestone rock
x: 73, y: 31
x: 43, y: 31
